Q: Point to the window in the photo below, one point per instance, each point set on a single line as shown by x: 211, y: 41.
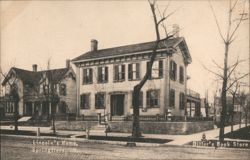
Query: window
x: 153, y: 98
x: 182, y: 100
x: 181, y: 74
x: 172, y: 98
x: 87, y: 76
x: 157, y: 69
x: 119, y: 72
x: 62, y: 89
x: 102, y: 74
x: 85, y: 101
x: 173, y: 70
x: 140, y: 99
x: 100, y: 100
x: 133, y: 71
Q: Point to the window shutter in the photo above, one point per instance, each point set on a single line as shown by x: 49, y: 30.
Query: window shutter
x: 150, y: 75
x: 115, y: 72
x: 160, y: 68
x: 123, y: 71
x: 130, y: 73
x: 84, y: 75
x: 106, y: 74
x: 91, y: 75
x: 137, y: 70
x: 99, y: 74
x: 175, y: 71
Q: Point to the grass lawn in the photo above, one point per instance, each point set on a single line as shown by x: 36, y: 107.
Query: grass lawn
x: 243, y: 133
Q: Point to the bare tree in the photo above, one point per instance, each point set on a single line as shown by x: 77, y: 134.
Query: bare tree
x: 51, y: 94
x: 233, y: 91
x: 137, y: 88
x: 232, y: 28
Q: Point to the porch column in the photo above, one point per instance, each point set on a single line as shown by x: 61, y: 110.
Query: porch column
x: 49, y: 108
x: 40, y: 109
x: 190, y: 104
x: 33, y: 108
x: 57, y: 108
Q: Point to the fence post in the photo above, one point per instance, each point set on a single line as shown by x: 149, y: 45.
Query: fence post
x: 38, y: 132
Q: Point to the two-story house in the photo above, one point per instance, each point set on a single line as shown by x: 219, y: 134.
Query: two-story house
x: 106, y: 77
x: 42, y: 92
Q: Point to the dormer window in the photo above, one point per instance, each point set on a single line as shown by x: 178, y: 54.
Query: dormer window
x: 62, y: 89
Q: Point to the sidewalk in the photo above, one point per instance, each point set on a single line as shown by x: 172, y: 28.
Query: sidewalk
x: 177, y: 140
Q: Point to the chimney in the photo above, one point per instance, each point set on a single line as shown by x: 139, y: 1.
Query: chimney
x: 94, y: 45
x: 176, y: 30
x: 67, y: 63
x: 34, y: 66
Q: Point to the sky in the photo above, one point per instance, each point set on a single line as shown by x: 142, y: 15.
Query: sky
x: 34, y: 31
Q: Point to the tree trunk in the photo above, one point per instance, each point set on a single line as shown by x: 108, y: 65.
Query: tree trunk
x: 224, y: 95
x: 246, y: 120
x: 232, y: 122
x: 136, y: 113
x: 16, y: 116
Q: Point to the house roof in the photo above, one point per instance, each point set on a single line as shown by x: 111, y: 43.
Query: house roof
x: 32, y: 77
x: 140, y: 47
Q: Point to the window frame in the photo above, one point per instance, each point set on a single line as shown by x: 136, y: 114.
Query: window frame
x: 103, y: 100
x: 182, y: 101
x: 102, y: 77
x: 86, y: 98
x: 119, y: 76
x: 181, y: 74
x: 160, y: 69
x: 149, y: 100
x: 172, y: 98
x: 87, y: 79
x: 64, y: 93
x: 173, y: 70
x: 132, y: 72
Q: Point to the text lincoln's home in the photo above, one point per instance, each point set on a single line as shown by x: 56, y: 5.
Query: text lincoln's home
x: 106, y: 77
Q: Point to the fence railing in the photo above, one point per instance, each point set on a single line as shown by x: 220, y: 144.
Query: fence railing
x: 151, y: 118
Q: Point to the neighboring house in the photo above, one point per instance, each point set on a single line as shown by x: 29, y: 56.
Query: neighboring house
x: 236, y: 108
x: 193, y: 103
x: 33, y: 89
x: 2, y: 109
x: 106, y: 77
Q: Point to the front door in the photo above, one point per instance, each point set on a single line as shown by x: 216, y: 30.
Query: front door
x: 117, y: 104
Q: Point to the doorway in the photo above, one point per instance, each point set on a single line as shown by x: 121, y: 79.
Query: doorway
x: 117, y: 105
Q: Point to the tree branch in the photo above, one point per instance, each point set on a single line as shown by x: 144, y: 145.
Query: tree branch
x: 217, y: 23
x: 238, y: 25
x: 212, y: 71
x: 217, y: 64
x: 237, y: 79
